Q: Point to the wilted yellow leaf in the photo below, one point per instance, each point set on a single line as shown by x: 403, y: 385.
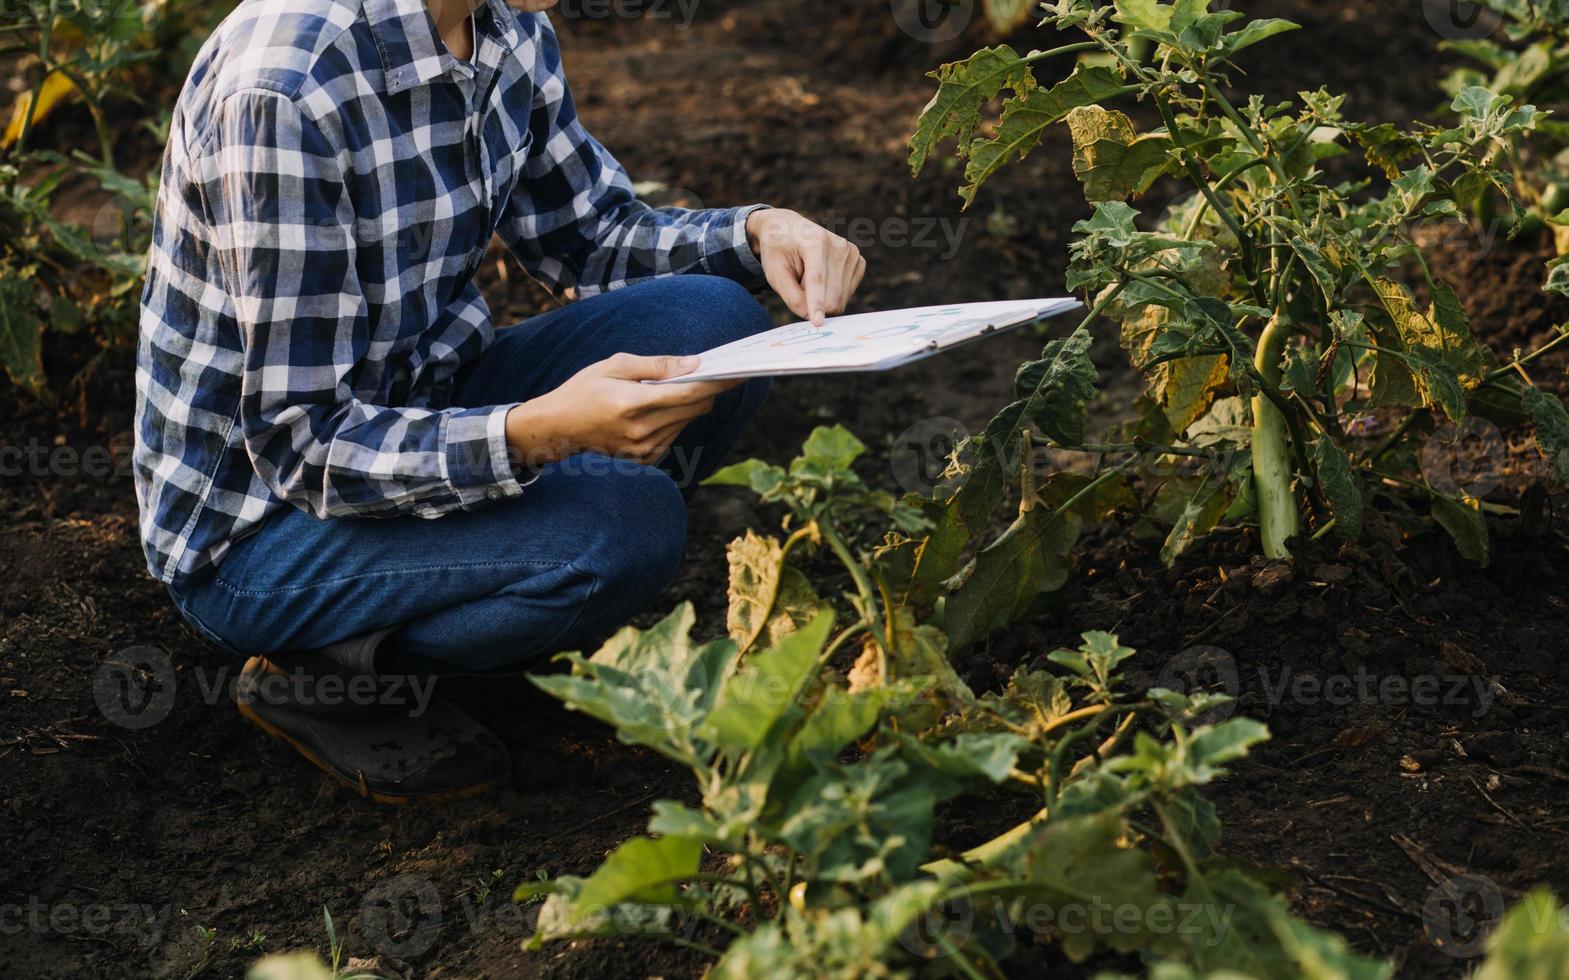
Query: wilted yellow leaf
x: 55, y: 90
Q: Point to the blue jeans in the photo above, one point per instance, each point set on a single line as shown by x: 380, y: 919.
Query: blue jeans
x: 590, y: 543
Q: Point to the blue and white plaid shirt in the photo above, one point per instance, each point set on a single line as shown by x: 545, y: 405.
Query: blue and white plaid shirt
x: 332, y: 180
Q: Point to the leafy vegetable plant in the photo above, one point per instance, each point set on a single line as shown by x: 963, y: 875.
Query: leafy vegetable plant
x: 821, y: 746
x: 75, y: 279
x: 816, y: 822
x: 1274, y: 310
x: 1527, y: 60
x: 814, y: 848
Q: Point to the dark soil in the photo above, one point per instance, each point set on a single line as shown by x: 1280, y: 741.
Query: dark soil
x: 125, y: 845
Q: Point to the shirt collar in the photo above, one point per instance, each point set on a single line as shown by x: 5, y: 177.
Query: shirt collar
x: 411, y: 53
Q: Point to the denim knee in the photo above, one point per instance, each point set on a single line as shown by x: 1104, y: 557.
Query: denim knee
x: 640, y: 515
x: 710, y: 311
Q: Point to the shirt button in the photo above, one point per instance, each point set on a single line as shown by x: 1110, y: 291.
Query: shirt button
x: 494, y: 493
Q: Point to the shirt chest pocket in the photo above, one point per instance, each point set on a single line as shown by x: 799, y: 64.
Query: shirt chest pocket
x: 507, y: 147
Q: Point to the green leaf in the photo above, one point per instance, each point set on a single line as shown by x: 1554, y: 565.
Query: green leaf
x: 830, y: 449
x: 1025, y: 118
x: 1006, y: 579
x: 1083, y: 859
x: 963, y: 88
x: 920, y: 652
x: 1005, y: 15
x: 1096, y: 660
x: 1212, y: 746
x: 1254, y: 32
x: 1463, y: 519
x: 1110, y: 159
x: 1453, y: 335
x: 1299, y: 371
x: 21, y: 352
x: 655, y: 686
x: 1530, y: 943
x: 1437, y: 383
x: 765, y: 688
x: 1340, y: 485
x: 1324, y: 272
x: 641, y: 870
x: 743, y: 474
x: 867, y: 820
x: 1552, y: 429
x: 838, y: 719
x: 672, y: 819
x: 1478, y: 103
x: 1056, y: 390
x: 1053, y: 393
x: 1250, y: 931
x: 1203, y: 511
x: 1159, y: 18
x: 969, y: 757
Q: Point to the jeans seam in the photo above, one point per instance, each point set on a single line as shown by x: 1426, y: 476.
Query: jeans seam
x: 577, y: 616
x: 183, y: 605
x: 235, y: 590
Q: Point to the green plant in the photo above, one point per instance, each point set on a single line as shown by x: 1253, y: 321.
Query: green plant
x: 301, y: 965
x: 813, y: 850
x: 816, y: 822
x: 1528, y: 61
x: 76, y: 279
x: 821, y: 752
x: 1271, y: 311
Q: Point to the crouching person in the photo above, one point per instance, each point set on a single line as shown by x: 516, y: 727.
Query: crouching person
x: 344, y: 470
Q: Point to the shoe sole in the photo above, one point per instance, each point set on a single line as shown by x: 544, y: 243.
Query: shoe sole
x: 358, y: 786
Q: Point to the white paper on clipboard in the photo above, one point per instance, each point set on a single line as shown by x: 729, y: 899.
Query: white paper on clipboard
x: 867, y: 341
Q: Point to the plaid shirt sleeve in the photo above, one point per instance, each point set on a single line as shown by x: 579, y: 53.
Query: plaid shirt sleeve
x: 575, y: 221
x: 273, y: 185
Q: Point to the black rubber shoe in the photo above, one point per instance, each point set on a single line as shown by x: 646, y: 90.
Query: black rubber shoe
x: 386, y: 746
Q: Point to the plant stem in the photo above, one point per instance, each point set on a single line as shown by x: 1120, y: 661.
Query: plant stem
x: 1258, y: 147
x: 1139, y: 447
x: 1551, y: 345
x: 959, y: 959
x: 1197, y: 176
x: 980, y: 854
x: 845, y: 635
x: 1074, y: 48
x: 863, y: 584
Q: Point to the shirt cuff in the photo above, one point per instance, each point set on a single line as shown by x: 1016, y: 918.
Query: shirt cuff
x: 479, y: 464
x: 726, y: 252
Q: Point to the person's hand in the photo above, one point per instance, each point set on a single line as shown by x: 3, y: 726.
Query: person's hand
x: 813, y: 270
x: 605, y: 409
